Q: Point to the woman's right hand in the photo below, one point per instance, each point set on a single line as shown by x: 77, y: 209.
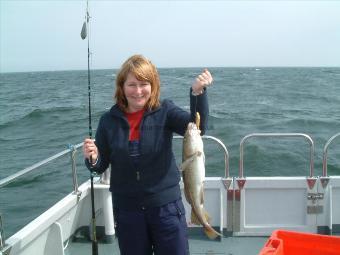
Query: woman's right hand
x: 90, y: 150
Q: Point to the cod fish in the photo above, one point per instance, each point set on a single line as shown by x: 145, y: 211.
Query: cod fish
x: 193, y: 171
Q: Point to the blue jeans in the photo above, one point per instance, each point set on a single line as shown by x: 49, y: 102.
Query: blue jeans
x: 159, y: 230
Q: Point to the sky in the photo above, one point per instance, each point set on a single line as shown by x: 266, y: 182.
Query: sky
x: 45, y: 35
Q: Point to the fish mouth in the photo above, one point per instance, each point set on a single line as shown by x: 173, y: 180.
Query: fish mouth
x: 192, y: 129
x: 192, y: 126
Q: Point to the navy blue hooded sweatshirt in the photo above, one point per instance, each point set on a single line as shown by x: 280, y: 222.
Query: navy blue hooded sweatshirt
x: 154, y: 181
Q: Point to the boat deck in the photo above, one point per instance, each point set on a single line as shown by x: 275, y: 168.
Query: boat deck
x: 198, y: 244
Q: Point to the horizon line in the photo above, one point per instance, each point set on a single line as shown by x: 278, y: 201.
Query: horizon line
x: 174, y: 67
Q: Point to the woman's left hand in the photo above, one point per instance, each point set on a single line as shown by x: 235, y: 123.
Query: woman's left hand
x: 202, y: 80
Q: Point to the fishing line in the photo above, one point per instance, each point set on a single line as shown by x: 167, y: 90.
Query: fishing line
x: 195, y: 109
x: 85, y: 33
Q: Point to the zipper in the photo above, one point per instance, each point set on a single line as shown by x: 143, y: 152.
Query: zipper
x: 141, y: 128
x: 137, y: 176
x: 178, y: 210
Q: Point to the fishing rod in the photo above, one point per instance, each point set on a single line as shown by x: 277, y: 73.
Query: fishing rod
x: 84, y: 33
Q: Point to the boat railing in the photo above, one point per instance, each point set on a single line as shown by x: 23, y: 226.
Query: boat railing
x: 277, y: 135
x: 325, y: 154
x: 7, y: 180
x: 71, y: 150
x: 225, y: 150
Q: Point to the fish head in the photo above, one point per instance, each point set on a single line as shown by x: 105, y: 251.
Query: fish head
x: 192, y: 141
x: 192, y: 130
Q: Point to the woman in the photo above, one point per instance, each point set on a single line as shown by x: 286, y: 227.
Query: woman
x: 135, y: 137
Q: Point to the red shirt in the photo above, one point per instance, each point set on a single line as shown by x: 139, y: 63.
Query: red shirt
x: 134, y: 120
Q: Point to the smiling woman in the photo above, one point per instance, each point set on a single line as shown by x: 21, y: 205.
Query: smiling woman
x: 135, y: 138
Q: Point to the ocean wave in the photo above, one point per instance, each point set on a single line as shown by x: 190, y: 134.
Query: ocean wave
x: 310, y: 123
x: 333, y: 169
x: 331, y: 71
x: 275, y: 158
x: 113, y: 75
x: 28, y: 182
x: 39, y: 113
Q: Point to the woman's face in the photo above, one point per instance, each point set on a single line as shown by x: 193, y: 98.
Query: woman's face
x: 136, y: 92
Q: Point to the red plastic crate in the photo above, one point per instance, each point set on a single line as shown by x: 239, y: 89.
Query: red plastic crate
x: 284, y: 242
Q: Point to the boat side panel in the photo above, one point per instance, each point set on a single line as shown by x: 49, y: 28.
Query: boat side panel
x: 270, y: 203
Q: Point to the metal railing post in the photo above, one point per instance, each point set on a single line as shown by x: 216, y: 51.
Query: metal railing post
x: 325, y: 178
x: 73, y: 151
x: 325, y: 152
x: 2, y: 236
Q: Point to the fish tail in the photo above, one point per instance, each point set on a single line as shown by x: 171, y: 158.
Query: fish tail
x: 208, y: 229
x: 210, y: 232
x: 194, y: 219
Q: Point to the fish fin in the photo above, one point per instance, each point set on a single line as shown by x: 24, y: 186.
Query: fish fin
x: 211, y: 233
x: 188, y: 161
x: 201, y: 154
x: 194, y: 219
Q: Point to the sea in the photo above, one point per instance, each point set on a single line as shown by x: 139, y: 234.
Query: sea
x: 43, y: 113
